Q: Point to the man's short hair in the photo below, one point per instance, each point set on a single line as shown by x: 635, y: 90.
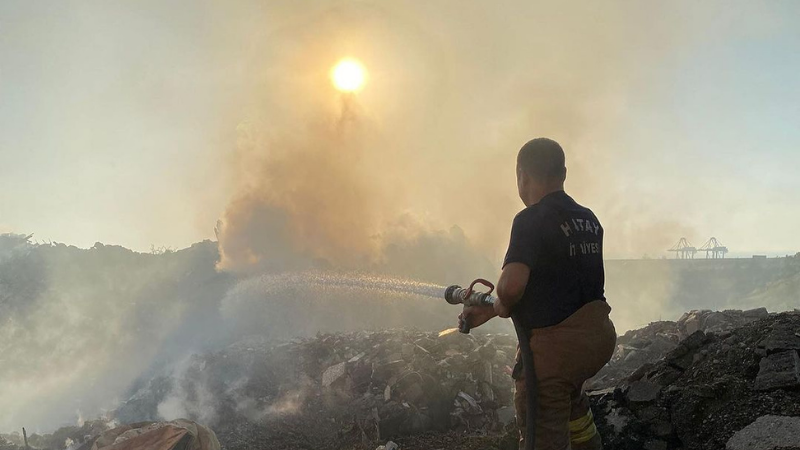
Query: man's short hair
x: 542, y: 158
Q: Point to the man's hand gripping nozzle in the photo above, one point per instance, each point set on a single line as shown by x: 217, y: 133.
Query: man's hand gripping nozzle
x: 456, y: 295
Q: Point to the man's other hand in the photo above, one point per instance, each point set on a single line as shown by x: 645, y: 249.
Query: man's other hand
x: 475, y: 316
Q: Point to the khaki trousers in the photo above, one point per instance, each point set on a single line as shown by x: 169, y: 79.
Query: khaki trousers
x: 565, y: 356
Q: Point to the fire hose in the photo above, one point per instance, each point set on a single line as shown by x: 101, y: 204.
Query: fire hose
x: 456, y: 295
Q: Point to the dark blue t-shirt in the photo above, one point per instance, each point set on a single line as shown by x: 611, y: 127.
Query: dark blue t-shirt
x: 562, y: 243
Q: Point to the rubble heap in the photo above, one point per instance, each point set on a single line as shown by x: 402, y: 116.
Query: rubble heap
x: 727, y: 380
x: 653, y: 342
x: 710, y: 391
x: 337, y: 390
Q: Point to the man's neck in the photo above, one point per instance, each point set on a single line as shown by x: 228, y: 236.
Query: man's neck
x: 537, y: 196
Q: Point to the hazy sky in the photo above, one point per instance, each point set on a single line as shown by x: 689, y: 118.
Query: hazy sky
x: 118, y: 120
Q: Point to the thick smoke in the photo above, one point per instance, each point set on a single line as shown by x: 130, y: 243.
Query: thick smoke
x: 315, y: 201
x: 79, y: 326
x: 323, y: 179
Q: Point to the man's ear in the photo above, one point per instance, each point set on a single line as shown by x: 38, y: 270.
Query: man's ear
x: 522, y: 177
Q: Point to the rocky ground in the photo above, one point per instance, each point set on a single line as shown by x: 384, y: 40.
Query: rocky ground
x: 711, y: 380
x: 706, y: 389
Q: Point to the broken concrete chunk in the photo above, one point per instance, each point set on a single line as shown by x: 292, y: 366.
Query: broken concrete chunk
x: 778, y: 370
x: 756, y: 313
x: 691, y: 323
x: 695, y: 340
x: 779, y: 340
x: 767, y: 433
x: 470, y: 404
x: 642, y: 392
x: 357, y: 357
x: 506, y: 415
x: 716, y: 321
x: 333, y: 374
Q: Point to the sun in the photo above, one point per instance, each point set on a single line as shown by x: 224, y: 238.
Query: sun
x: 348, y: 75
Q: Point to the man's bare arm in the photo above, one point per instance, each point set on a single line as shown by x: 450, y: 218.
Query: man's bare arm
x: 511, y: 287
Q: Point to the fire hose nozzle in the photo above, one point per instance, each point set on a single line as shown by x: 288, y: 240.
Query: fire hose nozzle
x: 456, y: 295
x: 450, y: 295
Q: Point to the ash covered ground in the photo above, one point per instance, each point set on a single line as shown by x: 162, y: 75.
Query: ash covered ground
x: 711, y: 380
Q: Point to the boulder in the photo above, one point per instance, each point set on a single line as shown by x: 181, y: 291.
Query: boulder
x: 778, y: 370
x: 691, y: 323
x: 756, y: 313
x: 781, y: 339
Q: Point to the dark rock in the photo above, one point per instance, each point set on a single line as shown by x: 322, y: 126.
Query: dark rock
x: 705, y: 398
x: 716, y: 321
x: 756, y: 313
x: 661, y: 428
x: 643, y: 392
x: 651, y: 413
x: 666, y: 376
x: 779, y: 340
x: 655, y: 444
x: 682, y: 357
x: 695, y: 340
x: 767, y: 433
x: 639, y: 373
x: 778, y: 370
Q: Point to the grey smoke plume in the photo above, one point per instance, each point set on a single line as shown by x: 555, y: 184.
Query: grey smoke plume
x: 325, y: 179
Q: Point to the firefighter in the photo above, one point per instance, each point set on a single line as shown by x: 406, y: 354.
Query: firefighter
x: 553, y: 283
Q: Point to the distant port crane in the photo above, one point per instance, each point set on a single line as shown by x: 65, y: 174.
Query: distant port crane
x: 714, y: 249
x: 683, y: 249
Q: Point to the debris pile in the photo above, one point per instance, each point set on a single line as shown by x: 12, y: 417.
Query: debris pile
x: 653, y: 342
x: 732, y: 383
x: 711, y: 391
x: 358, y: 388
